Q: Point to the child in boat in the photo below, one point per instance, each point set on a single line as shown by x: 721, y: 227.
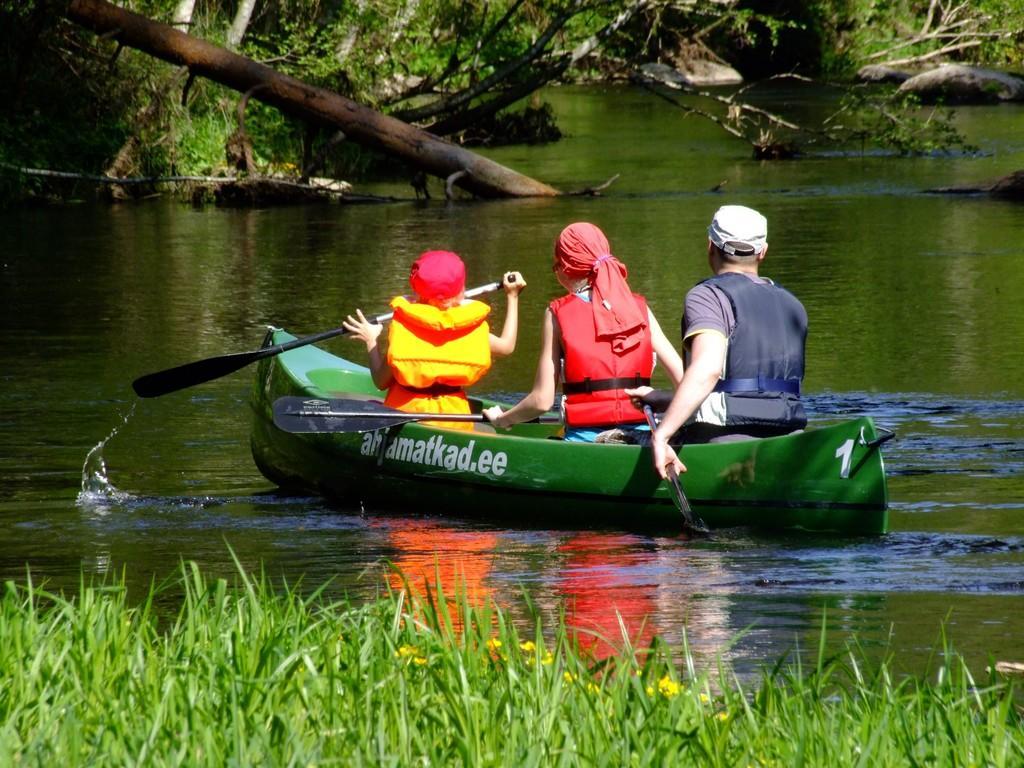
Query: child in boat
x: 440, y: 342
x: 603, y: 339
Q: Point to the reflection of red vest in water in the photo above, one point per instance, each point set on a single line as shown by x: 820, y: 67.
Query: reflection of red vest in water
x: 597, y: 591
x: 427, y: 551
x: 595, y: 375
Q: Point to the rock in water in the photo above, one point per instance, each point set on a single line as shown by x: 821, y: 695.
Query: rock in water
x: 958, y: 84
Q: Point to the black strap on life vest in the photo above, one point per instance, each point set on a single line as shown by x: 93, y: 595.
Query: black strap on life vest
x: 588, y: 385
x: 759, y: 384
x: 435, y: 390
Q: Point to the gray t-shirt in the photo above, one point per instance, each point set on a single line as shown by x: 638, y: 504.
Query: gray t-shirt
x: 709, y: 309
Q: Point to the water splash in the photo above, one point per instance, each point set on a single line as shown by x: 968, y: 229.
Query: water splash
x: 97, y: 490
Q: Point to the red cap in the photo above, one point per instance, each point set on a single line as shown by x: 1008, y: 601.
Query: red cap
x: 438, y: 275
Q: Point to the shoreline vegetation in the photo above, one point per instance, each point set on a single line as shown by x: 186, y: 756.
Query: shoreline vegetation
x: 83, y: 110
x: 203, y: 672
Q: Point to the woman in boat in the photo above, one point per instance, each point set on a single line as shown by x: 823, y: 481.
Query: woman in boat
x: 602, y: 337
x: 440, y: 342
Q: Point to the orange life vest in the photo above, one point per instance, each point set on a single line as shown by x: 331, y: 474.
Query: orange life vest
x: 595, y: 375
x: 433, y: 353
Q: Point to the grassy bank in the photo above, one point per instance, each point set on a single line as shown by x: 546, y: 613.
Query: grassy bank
x: 250, y: 674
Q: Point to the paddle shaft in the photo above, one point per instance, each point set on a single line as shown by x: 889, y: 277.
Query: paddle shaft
x: 200, y: 371
x: 475, y: 417
x: 390, y: 417
x: 692, y: 522
x: 303, y: 415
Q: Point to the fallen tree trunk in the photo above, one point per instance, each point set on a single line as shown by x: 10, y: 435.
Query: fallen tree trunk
x: 1007, y: 188
x: 360, y: 124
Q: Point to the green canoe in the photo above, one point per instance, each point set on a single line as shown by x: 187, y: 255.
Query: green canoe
x: 825, y: 479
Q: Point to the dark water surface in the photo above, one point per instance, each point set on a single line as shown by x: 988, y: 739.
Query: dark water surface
x: 916, y: 305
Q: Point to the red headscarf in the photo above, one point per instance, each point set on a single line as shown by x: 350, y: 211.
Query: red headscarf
x: 582, y: 250
x: 437, y: 275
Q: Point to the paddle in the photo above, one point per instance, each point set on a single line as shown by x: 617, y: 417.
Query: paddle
x: 309, y: 414
x: 693, y: 521
x: 200, y: 371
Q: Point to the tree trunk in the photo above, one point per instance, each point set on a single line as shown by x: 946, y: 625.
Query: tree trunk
x: 182, y: 17
x: 241, y: 23
x: 361, y: 125
x: 125, y: 162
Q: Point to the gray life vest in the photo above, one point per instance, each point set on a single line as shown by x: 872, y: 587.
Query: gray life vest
x: 765, y: 362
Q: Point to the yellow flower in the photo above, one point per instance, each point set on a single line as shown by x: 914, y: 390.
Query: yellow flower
x: 528, y: 646
x: 548, y: 659
x: 411, y: 654
x: 650, y: 690
x: 592, y: 688
x: 704, y: 698
x: 722, y: 715
x: 493, y: 644
x: 569, y: 677
x: 404, y: 651
x: 668, y: 687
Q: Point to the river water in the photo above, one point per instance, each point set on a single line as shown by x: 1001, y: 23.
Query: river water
x: 916, y: 305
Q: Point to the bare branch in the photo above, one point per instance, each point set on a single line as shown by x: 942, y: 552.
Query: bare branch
x: 318, y: 160
x: 501, y: 74
x: 926, y: 28
x: 645, y: 82
x: 728, y: 101
x: 935, y: 54
x: 449, y: 183
x: 594, y: 41
x: 109, y: 179
x: 461, y: 120
x: 559, y: 62
x: 960, y: 24
x: 594, y: 191
x: 454, y: 62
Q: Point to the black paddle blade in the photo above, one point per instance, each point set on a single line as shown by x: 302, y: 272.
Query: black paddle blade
x: 190, y: 374
x: 309, y: 414
x: 693, y: 521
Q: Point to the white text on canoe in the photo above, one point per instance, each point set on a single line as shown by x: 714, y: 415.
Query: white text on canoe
x: 434, y: 452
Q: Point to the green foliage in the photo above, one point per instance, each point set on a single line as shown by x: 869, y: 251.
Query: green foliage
x: 530, y: 125
x: 1007, y: 50
x: 66, y: 105
x: 863, y: 31
x: 198, y: 143
x: 250, y: 674
x: 884, y: 117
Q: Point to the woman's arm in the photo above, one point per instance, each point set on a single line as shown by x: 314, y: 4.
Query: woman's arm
x: 368, y: 332
x: 659, y: 399
x: 545, y: 381
x: 666, y: 351
x: 505, y: 345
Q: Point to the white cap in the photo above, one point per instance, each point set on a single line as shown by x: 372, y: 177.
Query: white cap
x: 737, y: 225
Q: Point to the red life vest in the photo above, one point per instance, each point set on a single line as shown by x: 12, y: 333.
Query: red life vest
x: 595, y: 375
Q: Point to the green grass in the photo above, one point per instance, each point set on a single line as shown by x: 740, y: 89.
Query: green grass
x: 255, y: 674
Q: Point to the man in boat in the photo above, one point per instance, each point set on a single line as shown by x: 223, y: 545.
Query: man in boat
x: 744, y: 339
x: 439, y: 343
